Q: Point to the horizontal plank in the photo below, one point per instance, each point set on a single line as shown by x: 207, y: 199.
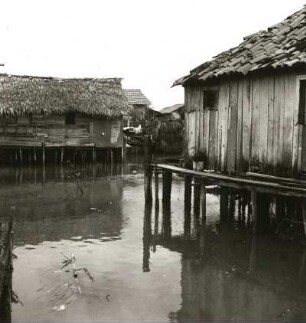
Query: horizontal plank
x: 239, y: 182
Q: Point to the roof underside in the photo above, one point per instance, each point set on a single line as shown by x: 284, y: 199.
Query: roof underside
x: 135, y: 96
x: 282, y: 45
x: 26, y: 94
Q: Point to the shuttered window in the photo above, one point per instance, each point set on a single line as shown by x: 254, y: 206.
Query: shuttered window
x: 210, y: 99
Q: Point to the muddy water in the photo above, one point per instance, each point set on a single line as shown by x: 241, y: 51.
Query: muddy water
x: 145, y: 264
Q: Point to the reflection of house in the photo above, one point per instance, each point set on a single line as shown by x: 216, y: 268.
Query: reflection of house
x: 246, y: 108
x: 139, y: 103
x: 52, y: 112
x: 175, y: 112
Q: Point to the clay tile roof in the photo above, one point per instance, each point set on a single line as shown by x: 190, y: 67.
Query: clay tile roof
x: 278, y: 46
x: 135, y: 96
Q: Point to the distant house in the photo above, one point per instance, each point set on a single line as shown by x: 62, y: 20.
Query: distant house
x: 47, y: 112
x: 174, y: 112
x: 140, y: 106
x: 246, y: 108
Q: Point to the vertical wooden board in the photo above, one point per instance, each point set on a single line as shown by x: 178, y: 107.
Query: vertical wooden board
x: 276, y: 121
x: 212, y: 139
x: 288, y: 126
x: 232, y: 127
x: 255, y: 123
x: 192, y: 135
x: 263, y: 121
x: 216, y: 141
x: 223, y: 121
x: 206, y: 132
x: 279, y: 110
x: 270, y: 142
x: 239, y: 126
x: 296, y: 128
x: 246, y: 120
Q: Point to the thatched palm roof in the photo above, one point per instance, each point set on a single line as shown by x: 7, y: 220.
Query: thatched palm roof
x: 21, y: 95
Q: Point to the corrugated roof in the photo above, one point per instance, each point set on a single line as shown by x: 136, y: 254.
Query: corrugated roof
x: 281, y: 45
x: 30, y: 94
x: 135, y: 96
x: 171, y: 109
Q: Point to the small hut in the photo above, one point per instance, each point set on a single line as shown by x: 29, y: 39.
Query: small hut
x: 45, y: 113
x: 246, y: 108
x: 140, y: 107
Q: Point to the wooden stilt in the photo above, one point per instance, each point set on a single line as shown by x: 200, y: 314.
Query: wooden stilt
x: 254, y: 209
x: 147, y: 170
x: 62, y: 155
x: 196, y: 197
x: 147, y: 237
x: 167, y: 185
x: 224, y: 204
x: 304, y: 214
x: 43, y: 154
x: 187, y: 207
x: 166, y: 223
x: 156, y: 183
x: 34, y: 155
x: 20, y: 156
x: 203, y: 202
x: 55, y: 156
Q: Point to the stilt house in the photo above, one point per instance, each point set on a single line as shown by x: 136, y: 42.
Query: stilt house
x: 140, y: 106
x: 56, y: 113
x: 245, y: 109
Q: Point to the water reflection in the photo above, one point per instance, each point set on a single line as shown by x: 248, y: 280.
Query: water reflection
x: 229, y: 273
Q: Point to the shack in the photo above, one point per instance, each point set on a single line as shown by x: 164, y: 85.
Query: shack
x: 174, y: 112
x: 40, y: 115
x: 140, y: 107
x: 245, y: 109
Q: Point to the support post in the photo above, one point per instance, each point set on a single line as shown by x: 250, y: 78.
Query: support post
x: 147, y: 170
x: 62, y: 155
x: 304, y: 214
x: 43, y: 154
x: 167, y: 185
x: 34, y: 155
x: 20, y: 156
x: 156, y: 183
x: 196, y: 197
x: 187, y: 207
x: 254, y: 209
x: 203, y: 202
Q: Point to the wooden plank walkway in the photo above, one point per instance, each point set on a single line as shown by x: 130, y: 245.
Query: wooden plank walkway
x: 294, y: 188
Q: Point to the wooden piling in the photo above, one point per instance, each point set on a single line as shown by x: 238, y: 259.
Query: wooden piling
x: 43, y: 154
x: 203, y: 202
x: 62, y: 155
x: 156, y: 183
x: 34, y: 155
x: 254, y: 210
x: 224, y: 204
x: 167, y: 186
x: 196, y: 197
x: 187, y: 207
x: 147, y: 170
x: 147, y: 237
x: 20, y: 156
x: 304, y: 215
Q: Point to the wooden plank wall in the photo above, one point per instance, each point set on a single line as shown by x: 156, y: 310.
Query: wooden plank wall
x: 87, y: 131
x: 255, y: 127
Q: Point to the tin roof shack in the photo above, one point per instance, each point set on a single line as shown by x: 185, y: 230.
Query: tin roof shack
x: 246, y: 108
x: 174, y: 112
x: 140, y: 107
x: 51, y: 112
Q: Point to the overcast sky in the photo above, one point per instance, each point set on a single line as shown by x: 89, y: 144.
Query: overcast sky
x: 148, y: 43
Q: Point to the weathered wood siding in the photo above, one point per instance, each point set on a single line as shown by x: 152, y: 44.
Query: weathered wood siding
x: 255, y: 127
x: 52, y: 130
